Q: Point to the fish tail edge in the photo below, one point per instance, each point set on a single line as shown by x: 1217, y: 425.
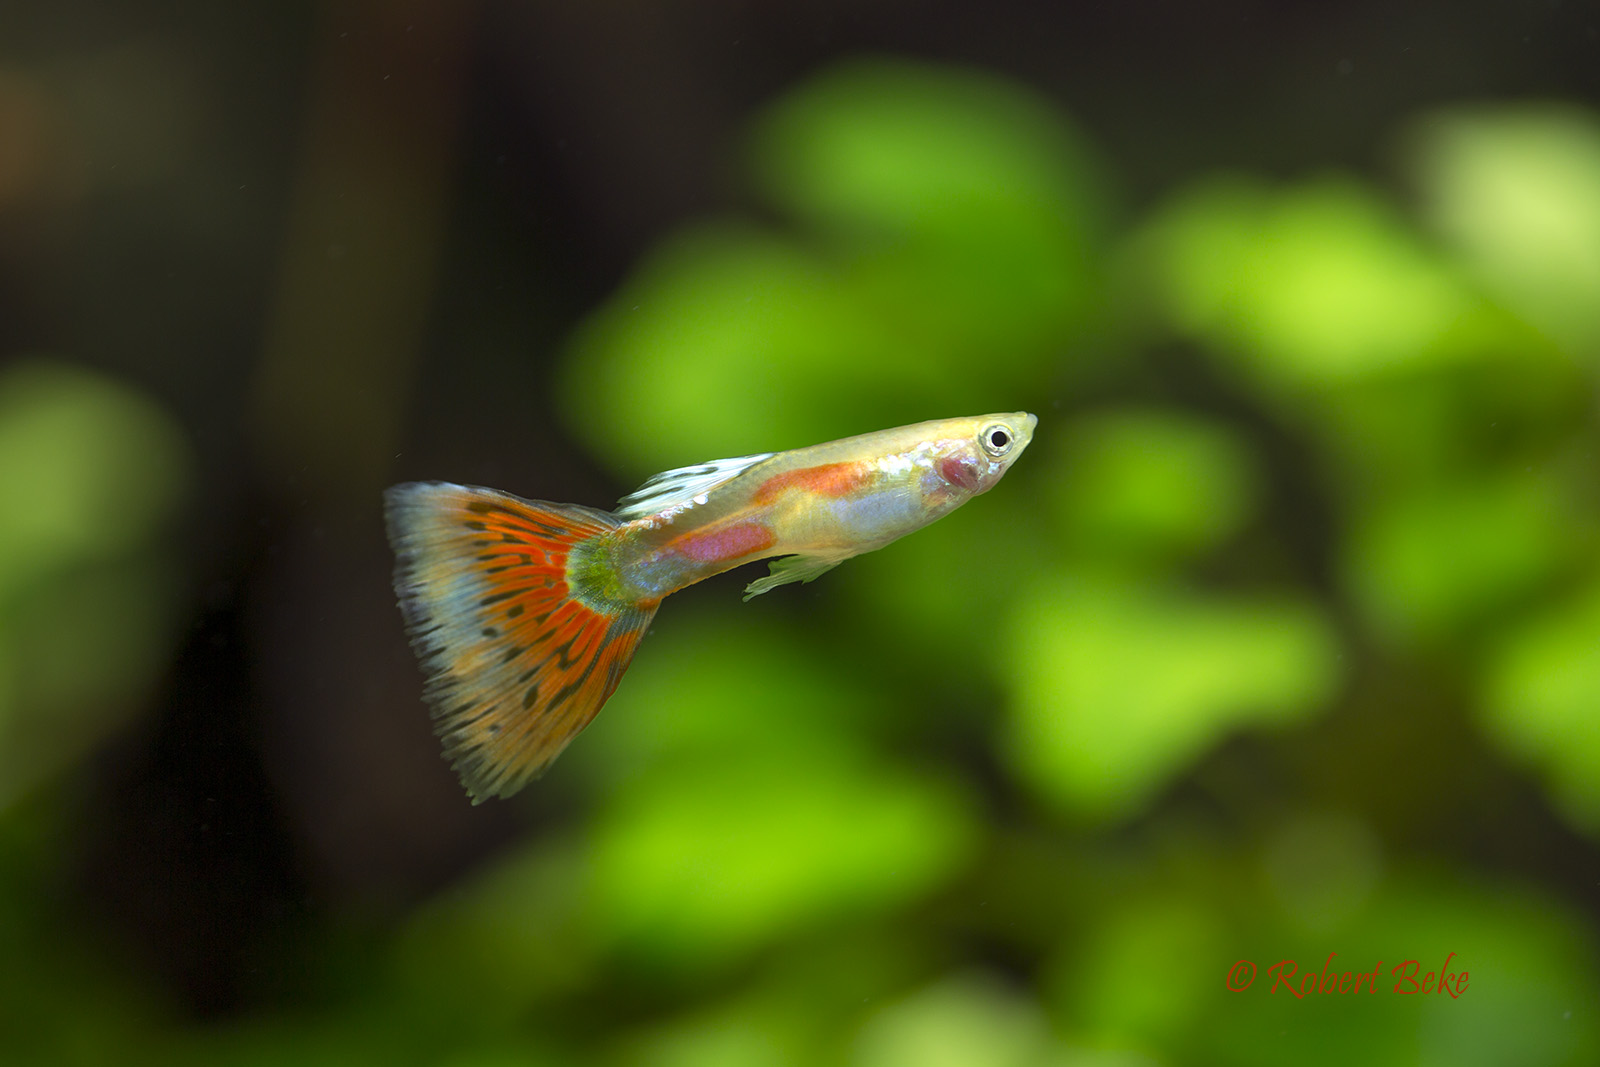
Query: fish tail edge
x: 520, y: 650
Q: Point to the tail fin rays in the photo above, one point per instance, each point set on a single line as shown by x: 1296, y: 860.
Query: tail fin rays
x: 517, y: 661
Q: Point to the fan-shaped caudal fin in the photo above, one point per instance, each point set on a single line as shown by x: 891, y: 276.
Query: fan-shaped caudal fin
x: 518, y: 660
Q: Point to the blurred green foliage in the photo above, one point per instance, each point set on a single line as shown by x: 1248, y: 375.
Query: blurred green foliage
x: 944, y: 247
x: 947, y: 250
x: 1150, y: 487
x: 1516, y: 193
x: 984, y: 803
x: 1542, y: 689
x: 1306, y: 288
x: 1115, y: 689
x: 93, y: 472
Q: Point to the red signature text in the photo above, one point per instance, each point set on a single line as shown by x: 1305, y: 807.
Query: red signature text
x: 1408, y: 975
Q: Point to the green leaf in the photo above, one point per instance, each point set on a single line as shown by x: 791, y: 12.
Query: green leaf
x: 89, y: 467
x: 1541, y: 702
x: 1424, y: 566
x: 1115, y: 689
x: 1108, y: 987
x: 725, y: 342
x: 742, y: 799
x: 942, y: 258
x: 92, y: 470
x: 1150, y: 485
x: 692, y: 870
x: 967, y: 1020
x: 1516, y: 190
x: 1313, y: 286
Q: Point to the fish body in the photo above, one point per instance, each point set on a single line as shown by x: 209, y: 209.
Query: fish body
x: 526, y: 613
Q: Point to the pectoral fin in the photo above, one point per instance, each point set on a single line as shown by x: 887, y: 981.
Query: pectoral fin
x: 792, y: 569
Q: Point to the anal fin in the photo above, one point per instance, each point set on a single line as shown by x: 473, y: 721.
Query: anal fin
x: 792, y: 569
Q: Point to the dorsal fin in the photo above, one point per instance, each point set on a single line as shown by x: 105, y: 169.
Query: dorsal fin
x: 680, y: 487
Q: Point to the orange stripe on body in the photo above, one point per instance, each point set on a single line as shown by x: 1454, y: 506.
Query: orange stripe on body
x: 830, y: 479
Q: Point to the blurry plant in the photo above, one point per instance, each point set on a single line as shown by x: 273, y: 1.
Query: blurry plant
x: 1116, y: 689
x: 1149, y: 979
x: 92, y: 472
x: 1120, y: 677
x: 944, y: 221
x: 1441, y: 391
x: 1309, y: 288
x: 944, y: 241
x: 793, y: 818
x: 940, y: 251
x: 1516, y: 192
x: 1457, y: 554
x: 1542, y: 701
x: 970, y: 1020
x: 1150, y: 488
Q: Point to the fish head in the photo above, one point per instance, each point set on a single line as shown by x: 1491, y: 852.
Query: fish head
x: 977, y: 459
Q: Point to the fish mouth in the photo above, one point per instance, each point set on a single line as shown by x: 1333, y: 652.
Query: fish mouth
x: 1022, y: 424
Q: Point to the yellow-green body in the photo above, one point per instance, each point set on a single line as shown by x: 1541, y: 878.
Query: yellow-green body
x: 820, y: 505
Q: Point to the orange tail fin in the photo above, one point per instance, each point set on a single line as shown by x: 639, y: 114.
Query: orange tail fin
x: 517, y: 660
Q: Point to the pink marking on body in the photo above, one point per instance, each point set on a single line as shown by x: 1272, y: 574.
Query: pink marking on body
x: 830, y: 479
x: 728, y: 542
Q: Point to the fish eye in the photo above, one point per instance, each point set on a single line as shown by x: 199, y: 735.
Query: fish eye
x: 996, y: 441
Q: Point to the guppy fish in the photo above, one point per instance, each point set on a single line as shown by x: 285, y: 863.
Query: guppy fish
x: 525, y: 613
